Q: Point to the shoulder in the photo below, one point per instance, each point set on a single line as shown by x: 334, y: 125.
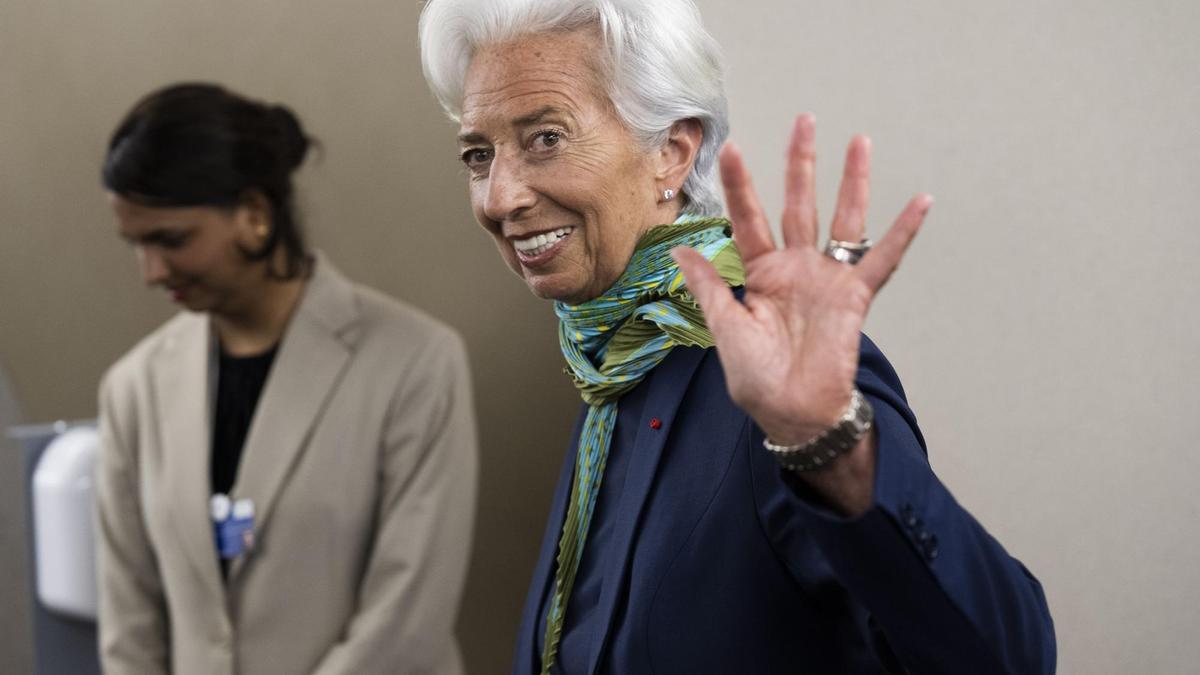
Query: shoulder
x: 876, y: 376
x: 378, y: 327
x: 416, y: 362
x: 401, y: 328
x: 404, y: 350
x: 384, y: 313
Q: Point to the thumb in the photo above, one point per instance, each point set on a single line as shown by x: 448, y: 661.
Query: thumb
x: 715, y: 297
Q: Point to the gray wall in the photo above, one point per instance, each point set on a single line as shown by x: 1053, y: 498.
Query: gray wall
x: 1045, y: 322
x: 1042, y: 324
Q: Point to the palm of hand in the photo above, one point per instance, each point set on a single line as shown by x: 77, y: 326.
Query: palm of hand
x: 790, y: 349
x: 796, y: 348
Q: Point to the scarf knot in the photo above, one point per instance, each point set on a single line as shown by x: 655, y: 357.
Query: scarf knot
x: 611, y: 342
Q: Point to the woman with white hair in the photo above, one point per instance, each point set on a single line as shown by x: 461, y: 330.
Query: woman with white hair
x: 747, y: 490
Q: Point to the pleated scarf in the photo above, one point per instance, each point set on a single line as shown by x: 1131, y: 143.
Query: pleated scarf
x: 611, y: 343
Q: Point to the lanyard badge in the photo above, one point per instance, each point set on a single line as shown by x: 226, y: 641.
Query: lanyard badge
x: 233, y: 525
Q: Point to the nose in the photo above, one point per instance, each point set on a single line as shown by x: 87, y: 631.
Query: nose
x: 508, y: 193
x: 154, y: 268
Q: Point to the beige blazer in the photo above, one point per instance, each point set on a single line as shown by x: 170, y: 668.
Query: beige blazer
x: 361, y: 462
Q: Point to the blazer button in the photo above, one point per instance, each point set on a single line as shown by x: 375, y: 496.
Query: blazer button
x: 931, y: 547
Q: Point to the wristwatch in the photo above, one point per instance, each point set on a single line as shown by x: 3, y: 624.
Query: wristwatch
x: 820, y: 452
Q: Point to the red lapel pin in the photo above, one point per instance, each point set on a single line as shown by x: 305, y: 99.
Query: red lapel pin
x: 655, y: 423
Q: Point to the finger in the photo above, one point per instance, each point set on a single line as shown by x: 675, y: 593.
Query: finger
x: 877, y: 265
x: 800, y: 198
x: 850, y: 217
x: 715, y: 297
x: 750, y: 228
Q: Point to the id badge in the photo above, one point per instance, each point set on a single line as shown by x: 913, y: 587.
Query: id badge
x: 233, y: 525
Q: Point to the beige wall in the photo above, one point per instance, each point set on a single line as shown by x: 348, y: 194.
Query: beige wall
x: 387, y: 202
x: 1043, y: 324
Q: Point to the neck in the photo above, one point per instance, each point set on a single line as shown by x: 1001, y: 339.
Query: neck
x: 668, y: 212
x: 259, y: 325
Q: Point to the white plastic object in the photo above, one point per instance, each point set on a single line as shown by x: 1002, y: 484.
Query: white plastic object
x: 64, y: 511
x: 219, y: 507
x: 243, y: 509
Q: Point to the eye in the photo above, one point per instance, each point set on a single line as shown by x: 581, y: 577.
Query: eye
x: 475, y: 158
x: 172, y: 241
x: 545, y: 140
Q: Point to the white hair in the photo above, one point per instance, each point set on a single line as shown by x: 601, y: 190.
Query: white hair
x: 662, y: 66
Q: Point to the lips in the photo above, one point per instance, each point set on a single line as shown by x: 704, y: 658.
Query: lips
x: 538, y: 248
x: 177, y: 294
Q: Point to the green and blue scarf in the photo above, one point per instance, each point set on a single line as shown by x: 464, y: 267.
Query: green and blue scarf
x: 611, y: 343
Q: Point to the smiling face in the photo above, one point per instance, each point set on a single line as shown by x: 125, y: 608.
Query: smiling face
x: 555, y: 178
x: 193, y: 252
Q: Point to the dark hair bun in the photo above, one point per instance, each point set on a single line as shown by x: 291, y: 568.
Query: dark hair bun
x: 295, y: 142
x: 199, y: 144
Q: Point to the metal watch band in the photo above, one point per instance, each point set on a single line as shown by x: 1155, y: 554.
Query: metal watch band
x: 820, y: 452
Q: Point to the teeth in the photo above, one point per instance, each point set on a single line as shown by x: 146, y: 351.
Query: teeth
x: 540, y: 243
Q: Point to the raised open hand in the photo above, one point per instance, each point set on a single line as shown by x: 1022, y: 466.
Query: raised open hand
x: 790, y: 349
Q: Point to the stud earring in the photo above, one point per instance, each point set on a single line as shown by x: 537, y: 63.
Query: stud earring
x: 668, y: 195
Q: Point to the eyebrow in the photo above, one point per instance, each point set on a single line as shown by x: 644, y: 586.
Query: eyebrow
x: 522, y: 121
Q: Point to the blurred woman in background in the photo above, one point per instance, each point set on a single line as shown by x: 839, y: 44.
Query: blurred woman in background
x: 288, y: 471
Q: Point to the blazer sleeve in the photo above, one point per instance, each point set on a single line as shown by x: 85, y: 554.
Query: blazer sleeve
x: 133, y: 624
x: 409, y: 595
x: 945, y: 595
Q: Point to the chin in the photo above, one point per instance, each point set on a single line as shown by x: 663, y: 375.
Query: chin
x: 546, y: 293
x: 198, y: 301
x: 555, y: 289
x: 196, y: 306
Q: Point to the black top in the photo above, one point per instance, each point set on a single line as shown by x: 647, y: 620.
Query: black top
x: 240, y: 381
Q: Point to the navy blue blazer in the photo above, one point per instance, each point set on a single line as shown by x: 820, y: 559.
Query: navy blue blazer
x: 718, y: 563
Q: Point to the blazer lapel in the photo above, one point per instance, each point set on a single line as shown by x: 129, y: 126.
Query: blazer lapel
x: 313, y: 355
x: 180, y: 372
x: 668, y: 384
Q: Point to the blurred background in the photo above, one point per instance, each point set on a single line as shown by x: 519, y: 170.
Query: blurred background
x: 1044, y: 323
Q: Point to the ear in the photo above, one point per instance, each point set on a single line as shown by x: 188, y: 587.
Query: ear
x: 253, y: 218
x: 678, y: 154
